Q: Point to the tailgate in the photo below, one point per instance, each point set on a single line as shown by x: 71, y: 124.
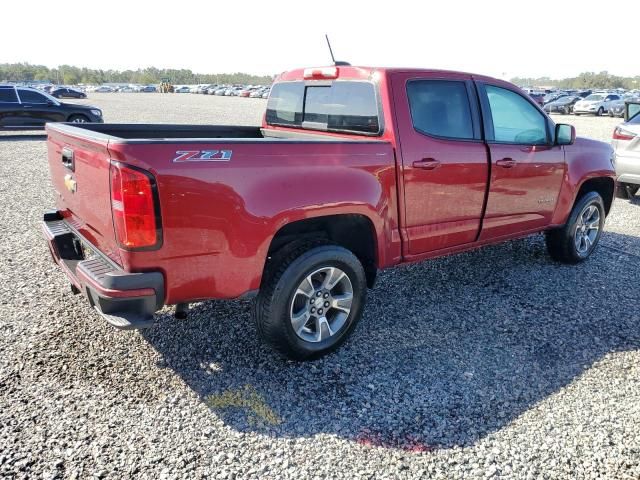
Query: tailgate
x: 80, y: 169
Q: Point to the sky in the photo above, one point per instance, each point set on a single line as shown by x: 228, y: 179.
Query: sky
x: 531, y: 38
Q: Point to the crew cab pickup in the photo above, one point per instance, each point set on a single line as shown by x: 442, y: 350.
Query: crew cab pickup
x: 354, y: 170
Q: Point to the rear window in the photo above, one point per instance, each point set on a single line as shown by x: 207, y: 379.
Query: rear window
x: 347, y: 106
x: 8, y: 95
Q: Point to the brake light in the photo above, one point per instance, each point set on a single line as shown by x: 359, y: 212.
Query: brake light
x: 321, y: 73
x: 133, y: 203
x: 622, y: 134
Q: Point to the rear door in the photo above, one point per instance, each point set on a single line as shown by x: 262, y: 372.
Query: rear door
x: 10, y: 108
x: 37, y: 109
x: 526, y: 168
x: 444, y: 160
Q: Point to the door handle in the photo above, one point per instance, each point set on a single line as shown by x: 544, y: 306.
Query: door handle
x: 506, y: 162
x: 426, y: 164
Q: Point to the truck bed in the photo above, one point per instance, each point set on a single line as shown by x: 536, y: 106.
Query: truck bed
x: 146, y: 133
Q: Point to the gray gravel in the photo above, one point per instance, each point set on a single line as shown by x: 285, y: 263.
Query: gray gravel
x: 492, y: 364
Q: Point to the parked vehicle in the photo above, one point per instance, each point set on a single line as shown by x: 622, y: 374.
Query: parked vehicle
x: 616, y: 108
x: 538, y: 98
x: 149, y: 89
x: 596, y: 103
x: 67, y: 93
x: 562, y: 105
x: 24, y: 108
x: 418, y: 164
x: 626, y: 143
x: 183, y: 89
x: 104, y: 89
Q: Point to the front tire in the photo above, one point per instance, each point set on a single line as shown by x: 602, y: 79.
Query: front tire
x: 600, y: 112
x: 578, y: 238
x: 310, y: 300
x: 78, y: 119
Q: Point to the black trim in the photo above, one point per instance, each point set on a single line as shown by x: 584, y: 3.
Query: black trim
x: 156, y: 208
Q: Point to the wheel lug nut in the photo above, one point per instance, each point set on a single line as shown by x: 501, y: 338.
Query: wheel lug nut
x: 320, y: 311
x: 313, y: 300
x: 318, y: 294
x: 326, y: 304
x: 326, y: 295
x: 313, y: 309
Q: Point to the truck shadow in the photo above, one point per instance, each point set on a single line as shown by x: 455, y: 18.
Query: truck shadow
x: 448, y: 351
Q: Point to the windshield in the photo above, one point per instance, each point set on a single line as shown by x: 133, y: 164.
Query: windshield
x: 594, y: 97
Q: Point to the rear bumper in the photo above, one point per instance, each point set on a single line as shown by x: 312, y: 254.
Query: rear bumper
x: 126, y: 300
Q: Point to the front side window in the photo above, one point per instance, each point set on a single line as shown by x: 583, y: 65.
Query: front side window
x: 514, y: 119
x: 440, y: 108
x: 8, y: 95
x: 29, y: 96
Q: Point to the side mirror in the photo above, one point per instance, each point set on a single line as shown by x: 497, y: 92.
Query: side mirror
x: 565, y: 134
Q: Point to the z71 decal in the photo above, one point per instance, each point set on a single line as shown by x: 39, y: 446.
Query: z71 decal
x: 203, y: 156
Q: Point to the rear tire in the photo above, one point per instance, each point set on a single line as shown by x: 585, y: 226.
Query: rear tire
x: 578, y: 238
x: 311, y: 299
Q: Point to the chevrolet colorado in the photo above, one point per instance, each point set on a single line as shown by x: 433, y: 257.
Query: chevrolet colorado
x: 353, y: 170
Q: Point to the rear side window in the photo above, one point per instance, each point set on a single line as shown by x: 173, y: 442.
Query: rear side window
x: 440, y: 108
x: 347, y: 106
x: 8, y: 95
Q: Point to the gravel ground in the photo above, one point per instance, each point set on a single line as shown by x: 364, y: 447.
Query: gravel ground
x: 495, y: 363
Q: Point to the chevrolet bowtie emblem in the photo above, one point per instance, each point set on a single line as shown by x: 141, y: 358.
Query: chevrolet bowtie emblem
x: 70, y: 183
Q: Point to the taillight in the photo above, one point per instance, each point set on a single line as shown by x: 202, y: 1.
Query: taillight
x: 622, y: 134
x: 134, y: 206
x: 321, y: 73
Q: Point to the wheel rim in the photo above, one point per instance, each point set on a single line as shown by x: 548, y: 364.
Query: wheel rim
x: 587, y: 230
x: 78, y: 120
x: 321, y: 304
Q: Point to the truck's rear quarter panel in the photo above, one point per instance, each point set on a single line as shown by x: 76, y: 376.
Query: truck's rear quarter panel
x: 219, y: 217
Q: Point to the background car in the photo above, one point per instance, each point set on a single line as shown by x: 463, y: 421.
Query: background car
x: 104, y: 89
x: 67, y: 93
x: 27, y: 108
x: 538, y: 98
x: 626, y: 144
x: 563, y: 104
x: 183, y: 89
x: 616, y: 109
x: 596, y: 103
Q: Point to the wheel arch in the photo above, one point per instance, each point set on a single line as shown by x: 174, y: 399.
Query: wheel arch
x: 355, y: 232
x: 604, y: 186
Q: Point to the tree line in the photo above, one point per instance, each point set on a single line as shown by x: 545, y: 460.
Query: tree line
x: 70, y: 75
x: 586, y: 80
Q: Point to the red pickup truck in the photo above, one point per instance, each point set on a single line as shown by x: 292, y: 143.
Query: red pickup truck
x: 354, y: 170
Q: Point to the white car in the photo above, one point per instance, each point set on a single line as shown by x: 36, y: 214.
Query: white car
x: 184, y: 89
x: 596, y: 103
x: 104, y: 89
x: 626, y: 144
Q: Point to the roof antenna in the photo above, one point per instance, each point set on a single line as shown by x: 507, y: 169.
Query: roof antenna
x: 337, y: 63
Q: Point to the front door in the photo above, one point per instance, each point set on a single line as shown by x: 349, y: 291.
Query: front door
x: 38, y: 109
x: 526, y: 168
x: 444, y: 161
